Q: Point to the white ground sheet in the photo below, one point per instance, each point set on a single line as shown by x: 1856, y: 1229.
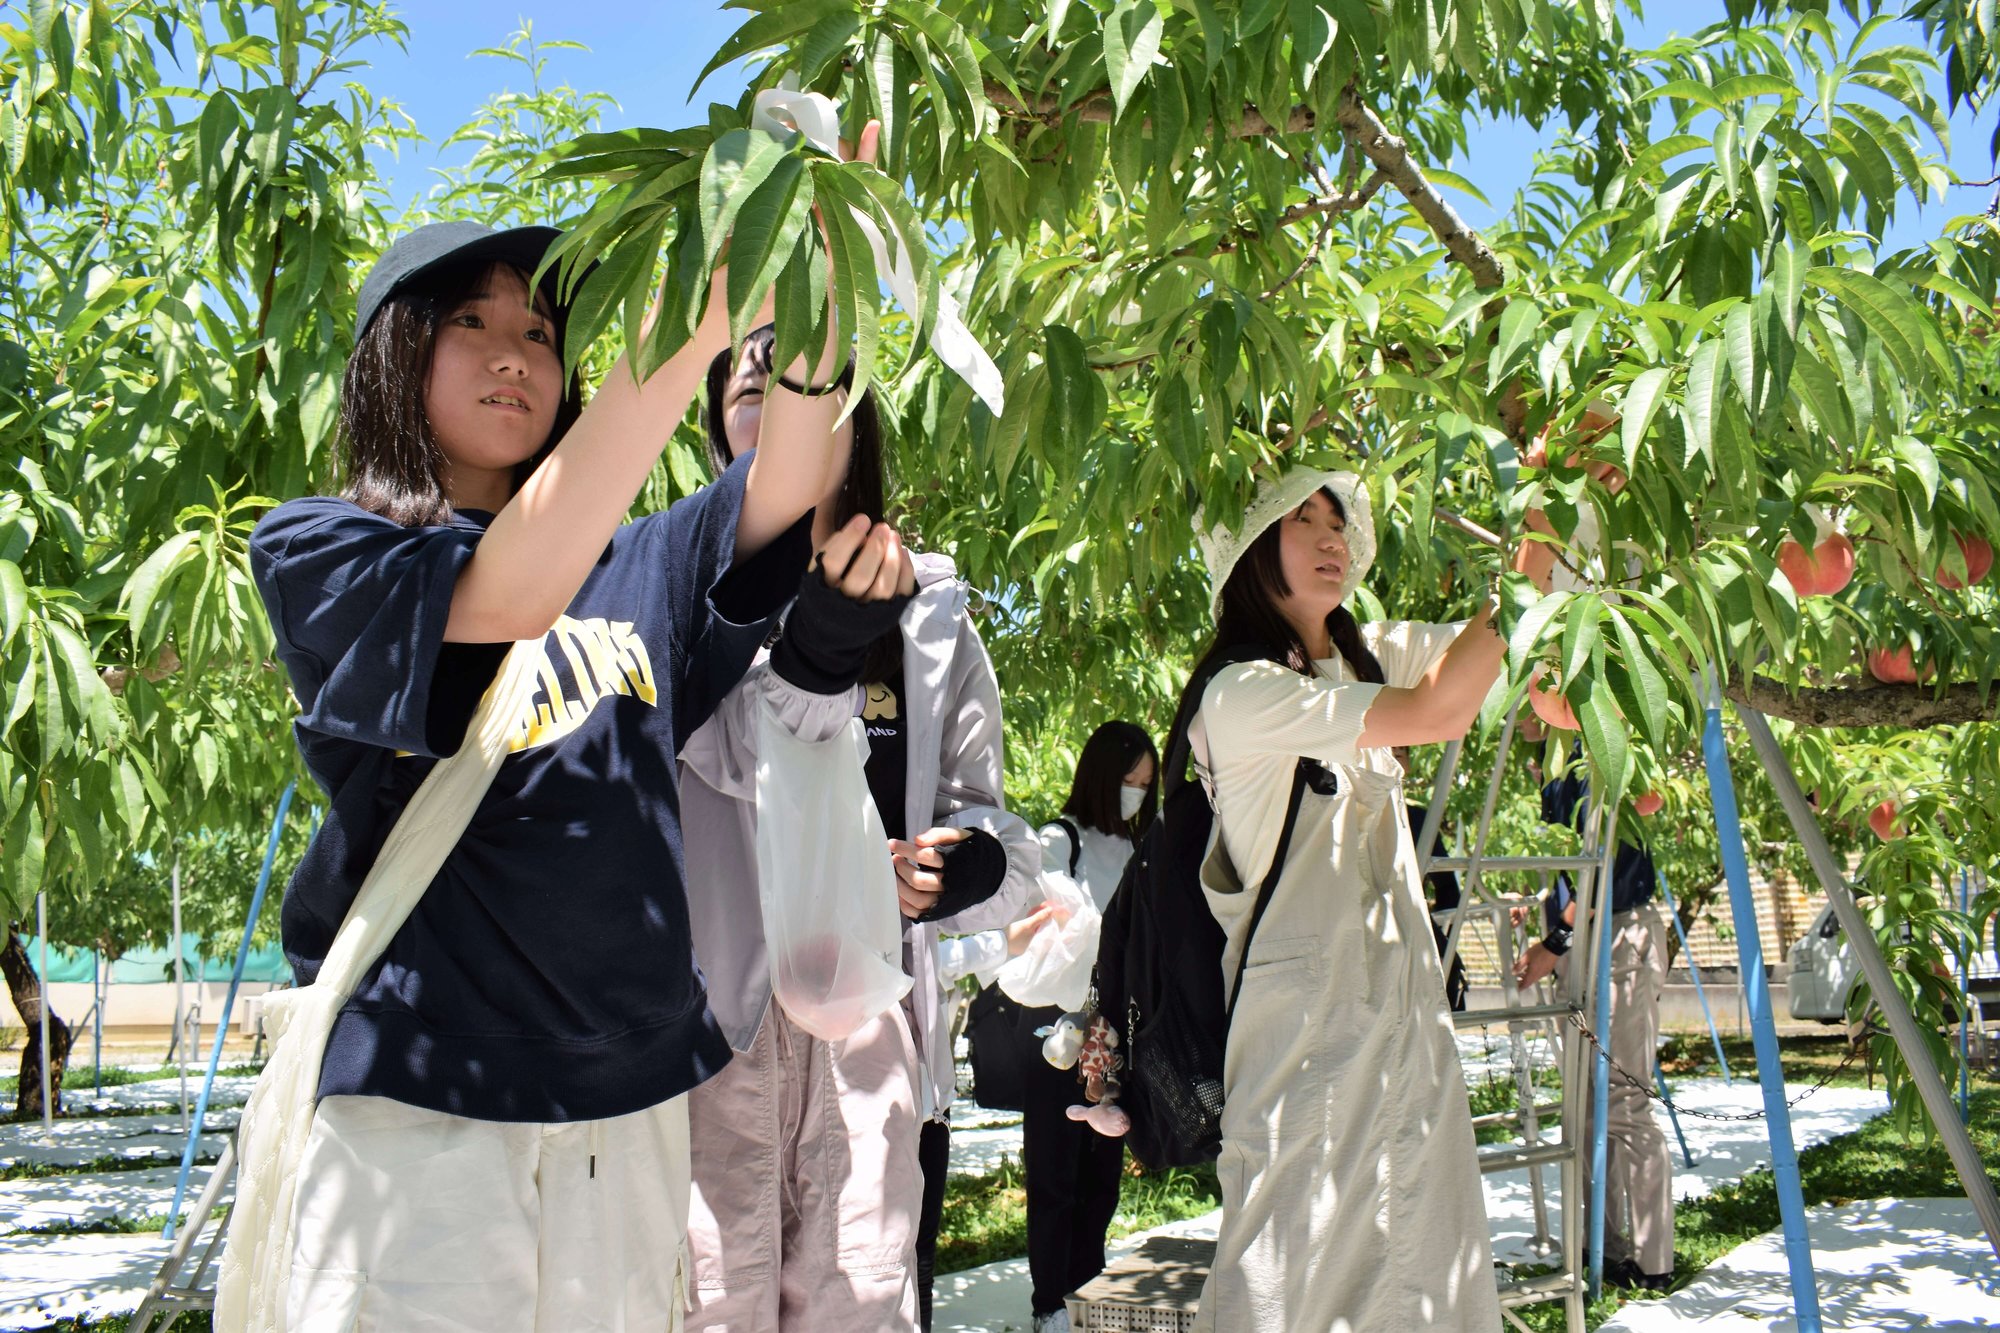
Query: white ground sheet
x: 1880, y: 1264
x: 1904, y: 1253
x: 994, y: 1299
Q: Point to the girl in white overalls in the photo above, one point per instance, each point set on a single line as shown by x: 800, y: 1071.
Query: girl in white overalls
x: 1350, y: 1191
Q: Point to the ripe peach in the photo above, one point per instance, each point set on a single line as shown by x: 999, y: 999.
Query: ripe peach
x: 1827, y: 569
x: 1882, y: 819
x: 1978, y: 553
x: 1551, y: 707
x: 1896, y: 666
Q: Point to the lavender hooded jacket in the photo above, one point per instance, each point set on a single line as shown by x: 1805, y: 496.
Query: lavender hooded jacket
x: 954, y: 780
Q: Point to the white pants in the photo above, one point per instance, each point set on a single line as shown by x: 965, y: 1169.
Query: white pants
x: 415, y: 1221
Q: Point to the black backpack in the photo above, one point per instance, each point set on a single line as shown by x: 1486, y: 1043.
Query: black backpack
x: 1159, y: 969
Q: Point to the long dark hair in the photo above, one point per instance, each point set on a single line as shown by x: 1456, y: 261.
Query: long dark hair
x: 1112, y: 751
x: 863, y: 492
x: 390, y: 460
x: 1251, y: 622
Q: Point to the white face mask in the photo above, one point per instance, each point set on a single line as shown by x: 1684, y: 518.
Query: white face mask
x: 1129, y: 801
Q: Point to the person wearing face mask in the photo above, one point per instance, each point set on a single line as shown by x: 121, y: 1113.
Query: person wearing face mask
x: 1072, y: 1172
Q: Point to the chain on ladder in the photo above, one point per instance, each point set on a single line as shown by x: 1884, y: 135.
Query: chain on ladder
x: 1854, y: 1053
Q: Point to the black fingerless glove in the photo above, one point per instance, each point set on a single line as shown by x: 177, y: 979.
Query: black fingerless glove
x: 973, y: 870
x: 827, y: 633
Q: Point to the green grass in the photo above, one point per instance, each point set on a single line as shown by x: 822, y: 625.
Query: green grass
x: 1873, y: 1162
x: 1805, y: 1059
x: 194, y: 1321
x: 986, y: 1216
x: 44, y: 1171
x: 80, y: 1081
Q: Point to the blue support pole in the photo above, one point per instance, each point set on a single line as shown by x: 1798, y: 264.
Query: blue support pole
x: 1666, y: 1099
x: 228, y: 1000
x: 1600, y: 1078
x: 97, y: 993
x: 1763, y: 1031
x: 1965, y: 1003
x: 1694, y: 973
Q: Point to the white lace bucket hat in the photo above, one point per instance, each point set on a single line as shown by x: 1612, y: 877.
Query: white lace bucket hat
x: 1276, y: 497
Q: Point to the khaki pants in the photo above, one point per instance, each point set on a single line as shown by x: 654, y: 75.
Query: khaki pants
x: 415, y: 1221
x: 806, y: 1183
x: 1639, y: 1168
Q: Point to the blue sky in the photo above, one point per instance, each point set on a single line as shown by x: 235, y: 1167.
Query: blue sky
x: 646, y: 55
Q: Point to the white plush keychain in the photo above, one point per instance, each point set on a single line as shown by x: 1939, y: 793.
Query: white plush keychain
x: 785, y: 110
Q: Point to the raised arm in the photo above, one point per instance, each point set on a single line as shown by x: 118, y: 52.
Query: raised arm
x: 1446, y: 700
x: 798, y: 448
x: 538, y: 549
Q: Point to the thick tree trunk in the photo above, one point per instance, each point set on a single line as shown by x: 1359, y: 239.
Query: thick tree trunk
x: 26, y: 988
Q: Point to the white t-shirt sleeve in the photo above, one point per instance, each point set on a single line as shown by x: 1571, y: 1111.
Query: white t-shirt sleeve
x: 1262, y: 708
x: 1056, y: 848
x: 1409, y: 648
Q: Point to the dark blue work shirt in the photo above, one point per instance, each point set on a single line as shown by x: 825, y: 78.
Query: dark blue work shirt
x: 1633, y: 882
x: 548, y: 973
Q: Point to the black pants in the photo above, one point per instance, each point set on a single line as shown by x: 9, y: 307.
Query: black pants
x: 1073, y: 1173
x: 934, y: 1158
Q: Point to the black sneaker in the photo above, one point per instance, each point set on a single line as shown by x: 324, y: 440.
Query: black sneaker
x: 1627, y: 1273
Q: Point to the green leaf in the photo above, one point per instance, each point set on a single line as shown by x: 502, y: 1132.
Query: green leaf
x: 85, y: 687
x: 605, y: 290
x: 1704, y: 390
x: 1905, y: 329
x: 1649, y: 686
x: 857, y: 295
x: 774, y: 28
x: 143, y: 587
x: 319, y: 408
x: 1922, y: 462
x: 959, y: 61
x: 1739, y: 334
x: 1069, y: 384
x: 207, y: 760
x: 1607, y: 737
x: 768, y: 227
x: 860, y: 183
x: 737, y: 163
x: 800, y: 308
x: 1642, y: 400
x: 1519, y: 323
x: 13, y: 602
x: 1581, y: 628
x: 1530, y: 629
x: 1131, y: 42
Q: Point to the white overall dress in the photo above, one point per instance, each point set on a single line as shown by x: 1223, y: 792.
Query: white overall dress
x: 1351, y: 1197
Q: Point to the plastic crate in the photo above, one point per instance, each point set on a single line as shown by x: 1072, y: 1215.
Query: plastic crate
x: 1154, y: 1290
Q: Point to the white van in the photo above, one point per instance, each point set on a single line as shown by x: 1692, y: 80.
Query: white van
x: 1825, y: 972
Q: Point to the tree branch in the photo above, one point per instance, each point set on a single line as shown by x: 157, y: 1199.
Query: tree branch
x: 1390, y: 154
x: 1453, y: 519
x: 1340, y: 201
x: 1910, y: 706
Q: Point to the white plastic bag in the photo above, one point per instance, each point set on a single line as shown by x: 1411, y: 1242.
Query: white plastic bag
x: 1055, y: 967
x: 824, y: 881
